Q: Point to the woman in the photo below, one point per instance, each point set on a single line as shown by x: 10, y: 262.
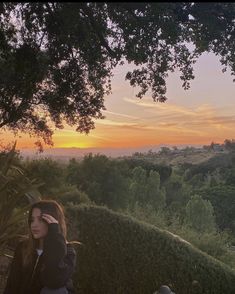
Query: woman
x: 45, y: 262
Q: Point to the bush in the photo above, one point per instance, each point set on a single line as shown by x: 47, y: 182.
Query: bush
x: 71, y: 194
x: 214, y: 243
x: 147, y: 214
x: 122, y: 255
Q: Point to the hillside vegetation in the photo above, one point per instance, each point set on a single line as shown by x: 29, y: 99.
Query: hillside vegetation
x: 131, y: 244
x: 190, y: 155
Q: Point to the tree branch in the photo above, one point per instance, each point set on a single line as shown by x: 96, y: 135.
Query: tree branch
x: 96, y: 31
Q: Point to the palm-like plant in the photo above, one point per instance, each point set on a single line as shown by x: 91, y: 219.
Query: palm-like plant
x: 17, y: 192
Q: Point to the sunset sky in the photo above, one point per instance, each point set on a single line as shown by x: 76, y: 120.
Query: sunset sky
x: 200, y: 115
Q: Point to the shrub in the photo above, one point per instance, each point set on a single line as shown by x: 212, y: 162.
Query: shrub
x: 122, y: 255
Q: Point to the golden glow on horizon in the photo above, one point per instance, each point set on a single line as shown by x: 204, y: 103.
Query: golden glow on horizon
x: 201, y: 115
x: 154, y: 124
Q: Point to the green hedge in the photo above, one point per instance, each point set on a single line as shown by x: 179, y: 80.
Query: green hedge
x: 122, y: 255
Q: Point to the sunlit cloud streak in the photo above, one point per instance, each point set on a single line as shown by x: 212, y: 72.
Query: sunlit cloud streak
x: 120, y: 114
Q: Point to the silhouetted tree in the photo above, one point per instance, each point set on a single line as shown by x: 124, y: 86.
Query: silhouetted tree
x: 57, y: 58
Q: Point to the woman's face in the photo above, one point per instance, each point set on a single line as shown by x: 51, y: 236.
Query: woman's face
x: 38, y: 226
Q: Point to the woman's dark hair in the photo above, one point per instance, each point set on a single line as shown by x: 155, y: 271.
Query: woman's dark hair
x: 53, y: 208
x: 46, y: 206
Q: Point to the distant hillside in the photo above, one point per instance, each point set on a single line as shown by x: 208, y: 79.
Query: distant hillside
x: 191, y: 155
x: 64, y: 154
x: 226, y: 160
x: 196, y: 156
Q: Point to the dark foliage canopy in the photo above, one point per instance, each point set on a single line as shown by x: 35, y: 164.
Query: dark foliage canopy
x: 56, y: 59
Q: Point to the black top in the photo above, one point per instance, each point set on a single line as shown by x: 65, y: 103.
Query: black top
x: 53, y: 268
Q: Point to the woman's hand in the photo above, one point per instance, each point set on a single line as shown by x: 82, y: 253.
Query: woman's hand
x: 49, y: 218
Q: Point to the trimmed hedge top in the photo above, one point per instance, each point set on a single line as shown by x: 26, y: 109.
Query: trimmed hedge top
x: 122, y: 255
